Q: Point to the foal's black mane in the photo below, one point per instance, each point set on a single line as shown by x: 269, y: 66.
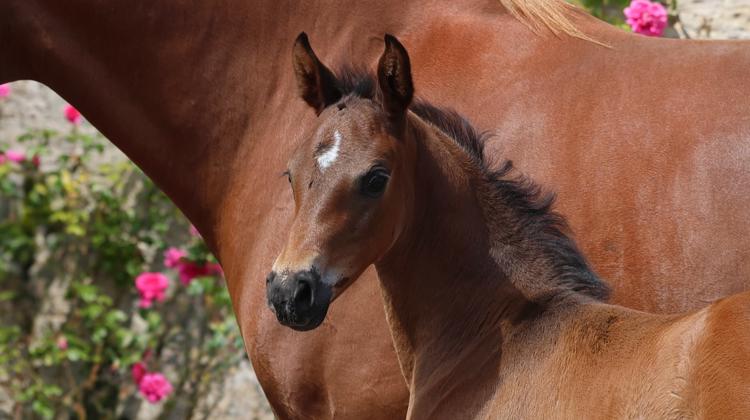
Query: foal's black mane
x: 533, y: 204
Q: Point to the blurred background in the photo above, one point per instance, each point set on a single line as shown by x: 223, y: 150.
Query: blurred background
x: 110, y: 303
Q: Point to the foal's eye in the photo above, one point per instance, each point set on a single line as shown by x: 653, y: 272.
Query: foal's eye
x: 373, y: 184
x: 288, y: 176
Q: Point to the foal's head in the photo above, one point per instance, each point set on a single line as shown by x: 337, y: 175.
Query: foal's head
x: 350, y: 181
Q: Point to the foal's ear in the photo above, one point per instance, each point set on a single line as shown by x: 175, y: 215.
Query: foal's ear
x: 315, y: 83
x: 394, y: 77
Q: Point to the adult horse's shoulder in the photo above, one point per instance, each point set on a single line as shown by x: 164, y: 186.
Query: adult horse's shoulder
x: 721, y: 366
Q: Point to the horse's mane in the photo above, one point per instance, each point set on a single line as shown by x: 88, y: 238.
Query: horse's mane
x: 551, y: 14
x: 533, y: 205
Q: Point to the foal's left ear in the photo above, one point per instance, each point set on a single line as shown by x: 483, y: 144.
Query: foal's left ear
x: 394, y: 78
x: 316, y: 84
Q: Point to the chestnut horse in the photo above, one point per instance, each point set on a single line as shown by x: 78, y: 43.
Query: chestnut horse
x: 646, y: 141
x: 494, y: 311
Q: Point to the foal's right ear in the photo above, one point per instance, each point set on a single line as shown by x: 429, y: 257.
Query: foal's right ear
x: 315, y: 83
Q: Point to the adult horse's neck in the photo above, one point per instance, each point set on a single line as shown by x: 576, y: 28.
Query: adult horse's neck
x: 481, y: 259
x: 175, y: 85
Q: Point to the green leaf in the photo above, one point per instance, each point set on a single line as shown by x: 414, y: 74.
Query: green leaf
x: 75, y: 355
x: 75, y: 230
x: 195, y: 288
x: 51, y: 391
x: 99, y: 335
x: 115, y: 317
x: 92, y: 311
x: 86, y: 292
x: 153, y: 319
x: 43, y: 409
x: 7, y: 295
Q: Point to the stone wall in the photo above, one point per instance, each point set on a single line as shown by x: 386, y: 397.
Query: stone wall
x: 715, y: 19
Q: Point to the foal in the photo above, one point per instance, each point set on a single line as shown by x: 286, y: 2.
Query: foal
x: 494, y: 312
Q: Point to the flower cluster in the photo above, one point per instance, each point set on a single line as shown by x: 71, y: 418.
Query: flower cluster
x: 188, y: 270
x: 18, y: 157
x: 84, y: 208
x: 151, y: 287
x: 154, y: 386
x: 14, y: 156
x: 173, y: 257
x: 646, y: 17
x: 72, y: 114
x: 62, y: 343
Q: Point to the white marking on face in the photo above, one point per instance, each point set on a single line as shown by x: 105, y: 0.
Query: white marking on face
x: 327, y: 158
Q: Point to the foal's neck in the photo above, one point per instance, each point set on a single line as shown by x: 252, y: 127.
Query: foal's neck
x: 467, y: 273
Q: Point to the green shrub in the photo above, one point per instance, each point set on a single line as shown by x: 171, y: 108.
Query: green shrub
x: 75, y: 335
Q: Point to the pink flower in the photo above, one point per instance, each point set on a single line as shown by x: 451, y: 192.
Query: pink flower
x: 194, y: 231
x: 154, y: 386
x: 72, y: 114
x: 151, y: 286
x: 3, y: 159
x: 189, y: 270
x: 138, y: 370
x: 62, y: 343
x: 15, y: 156
x: 172, y: 257
x: 4, y: 90
x: 646, y: 17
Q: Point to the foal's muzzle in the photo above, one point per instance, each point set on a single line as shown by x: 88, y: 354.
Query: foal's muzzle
x: 299, y: 300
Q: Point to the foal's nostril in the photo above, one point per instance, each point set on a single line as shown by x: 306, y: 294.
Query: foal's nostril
x: 299, y: 300
x: 303, y: 295
x: 295, y: 298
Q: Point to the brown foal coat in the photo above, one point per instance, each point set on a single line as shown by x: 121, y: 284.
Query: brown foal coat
x: 493, y: 310
x: 646, y: 142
